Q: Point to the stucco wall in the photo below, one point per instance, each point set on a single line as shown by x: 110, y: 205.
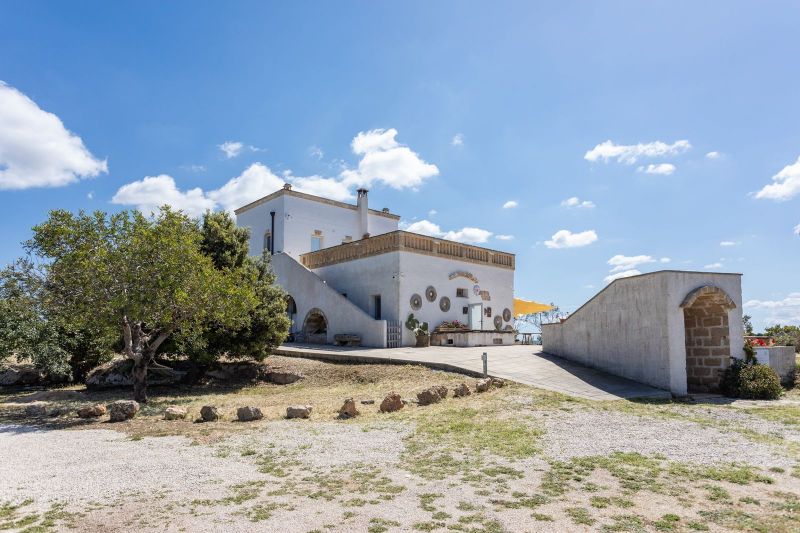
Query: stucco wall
x: 296, y: 220
x: 417, y: 272
x: 635, y: 327
x: 342, y: 315
x: 361, y: 279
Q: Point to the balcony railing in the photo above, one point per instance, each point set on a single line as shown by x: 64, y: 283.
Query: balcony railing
x: 403, y: 241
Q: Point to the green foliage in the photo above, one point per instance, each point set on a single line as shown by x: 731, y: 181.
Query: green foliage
x: 785, y: 335
x: 223, y: 241
x: 33, y: 330
x: 145, y: 276
x: 267, y: 323
x: 413, y: 324
x: 750, y: 380
x: 748, y: 324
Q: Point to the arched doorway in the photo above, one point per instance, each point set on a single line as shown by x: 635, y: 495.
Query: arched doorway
x: 708, y: 349
x: 315, y: 327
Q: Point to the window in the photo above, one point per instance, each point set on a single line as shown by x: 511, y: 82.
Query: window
x: 462, y: 293
x: 465, y: 310
x: 268, y: 241
x: 376, y: 306
x: 316, y: 243
x: 487, y: 311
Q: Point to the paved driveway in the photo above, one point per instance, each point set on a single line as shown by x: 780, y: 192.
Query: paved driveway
x: 521, y: 363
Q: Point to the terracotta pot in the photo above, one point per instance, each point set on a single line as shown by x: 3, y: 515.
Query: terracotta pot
x: 423, y: 341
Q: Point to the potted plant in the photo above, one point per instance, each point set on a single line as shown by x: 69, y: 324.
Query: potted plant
x: 420, y: 330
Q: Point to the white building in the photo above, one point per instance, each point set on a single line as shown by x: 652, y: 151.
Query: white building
x: 349, y: 270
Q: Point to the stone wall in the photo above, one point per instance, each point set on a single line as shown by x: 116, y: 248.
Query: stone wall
x: 708, y: 348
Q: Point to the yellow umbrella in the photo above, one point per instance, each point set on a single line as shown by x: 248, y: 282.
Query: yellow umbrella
x: 529, y: 307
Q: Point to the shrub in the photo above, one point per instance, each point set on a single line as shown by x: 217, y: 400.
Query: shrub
x: 750, y: 380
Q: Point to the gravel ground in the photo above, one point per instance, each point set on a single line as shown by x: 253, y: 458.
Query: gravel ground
x: 100, y: 465
x: 586, y: 432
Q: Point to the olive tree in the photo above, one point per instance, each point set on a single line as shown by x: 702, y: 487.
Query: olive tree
x: 146, y: 276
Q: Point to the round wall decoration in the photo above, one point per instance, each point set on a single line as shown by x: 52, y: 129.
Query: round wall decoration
x: 416, y: 301
x: 498, y: 322
x: 509, y: 327
x: 507, y: 314
x: 430, y: 293
x: 444, y: 304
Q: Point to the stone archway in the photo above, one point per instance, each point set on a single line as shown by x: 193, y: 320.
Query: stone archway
x: 315, y: 327
x: 708, y: 349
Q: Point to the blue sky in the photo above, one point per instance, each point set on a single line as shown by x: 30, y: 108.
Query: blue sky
x: 461, y: 108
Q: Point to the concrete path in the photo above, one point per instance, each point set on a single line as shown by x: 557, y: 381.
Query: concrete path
x: 521, y: 363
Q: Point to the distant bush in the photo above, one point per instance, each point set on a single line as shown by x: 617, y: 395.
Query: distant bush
x: 750, y: 380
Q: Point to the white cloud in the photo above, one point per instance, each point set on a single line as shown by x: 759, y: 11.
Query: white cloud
x: 797, y: 229
x: 432, y: 212
x: 194, y: 168
x: 231, y: 148
x: 729, y: 243
x: 504, y: 237
x: 36, y: 150
x: 425, y: 227
x: 630, y: 154
x: 713, y: 155
x: 626, y: 262
x: 256, y: 181
x: 316, y: 152
x: 786, y: 184
x: 150, y: 193
x: 90, y: 195
x: 713, y: 266
x: 325, y: 187
x: 566, y: 239
x: 385, y: 160
x: 577, y: 203
x: 458, y: 140
x: 623, y: 274
x: 662, y: 169
x: 786, y: 310
x: 665, y: 260
x: 465, y: 235
x: 511, y: 204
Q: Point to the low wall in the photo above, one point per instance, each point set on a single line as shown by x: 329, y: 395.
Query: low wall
x: 781, y: 359
x: 635, y: 327
x: 463, y: 339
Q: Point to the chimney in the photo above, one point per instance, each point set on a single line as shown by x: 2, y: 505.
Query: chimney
x: 363, y: 213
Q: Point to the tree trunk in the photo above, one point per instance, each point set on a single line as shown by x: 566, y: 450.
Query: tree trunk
x: 139, y: 374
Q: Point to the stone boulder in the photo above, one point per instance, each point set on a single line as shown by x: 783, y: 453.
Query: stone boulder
x: 483, y: 385
x: 428, y: 396
x: 117, y: 373
x: 298, y: 411
x: 92, y: 411
x: 249, y: 414
x: 442, y: 390
x: 174, y: 413
x: 122, y: 410
x: 348, y: 409
x: 392, y: 402
x: 20, y: 374
x: 461, y: 391
x: 209, y: 413
x: 280, y: 377
x: 497, y: 382
x: 368, y: 402
x: 36, y: 410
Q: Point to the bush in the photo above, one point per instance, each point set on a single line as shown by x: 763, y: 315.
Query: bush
x: 750, y: 380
